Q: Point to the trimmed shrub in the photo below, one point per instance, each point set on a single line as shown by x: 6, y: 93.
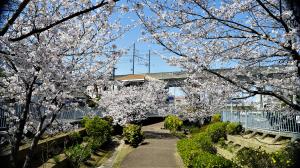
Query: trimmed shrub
x: 193, y: 154
x: 77, y: 154
x: 288, y: 157
x: 254, y: 158
x: 133, y: 135
x: 208, y: 160
x: 216, y: 118
x: 234, y: 128
x: 187, y: 149
x: 216, y: 131
x: 173, y: 123
x: 204, y: 142
x: 98, y: 129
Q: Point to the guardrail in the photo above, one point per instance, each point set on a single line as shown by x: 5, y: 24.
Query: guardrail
x: 282, y: 123
x: 66, y: 114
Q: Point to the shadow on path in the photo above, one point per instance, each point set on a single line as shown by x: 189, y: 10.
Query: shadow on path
x: 157, y: 151
x: 158, y: 135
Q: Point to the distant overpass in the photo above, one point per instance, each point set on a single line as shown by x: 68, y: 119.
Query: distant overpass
x: 176, y: 78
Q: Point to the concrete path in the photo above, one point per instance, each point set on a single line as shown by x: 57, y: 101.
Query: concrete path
x: 157, y: 151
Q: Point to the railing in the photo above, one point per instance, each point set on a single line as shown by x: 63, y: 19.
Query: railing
x: 265, y: 121
x: 66, y: 115
x: 3, y: 123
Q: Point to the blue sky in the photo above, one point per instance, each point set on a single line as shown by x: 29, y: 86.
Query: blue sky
x: 124, y: 65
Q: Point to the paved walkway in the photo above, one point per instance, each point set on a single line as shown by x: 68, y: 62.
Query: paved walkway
x: 157, y: 151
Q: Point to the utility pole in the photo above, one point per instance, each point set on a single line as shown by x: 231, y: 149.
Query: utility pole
x: 114, y: 73
x: 149, y: 63
x: 133, y: 56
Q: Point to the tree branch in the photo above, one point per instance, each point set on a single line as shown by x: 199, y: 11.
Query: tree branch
x: 14, y: 17
x: 39, y: 30
x: 269, y: 93
x: 286, y: 28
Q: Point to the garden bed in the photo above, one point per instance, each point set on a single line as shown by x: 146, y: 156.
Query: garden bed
x: 45, y: 148
x: 97, y: 158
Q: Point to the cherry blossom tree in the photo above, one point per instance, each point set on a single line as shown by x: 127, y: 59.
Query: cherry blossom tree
x: 204, y: 97
x: 51, y: 51
x: 135, y: 103
x: 256, y: 41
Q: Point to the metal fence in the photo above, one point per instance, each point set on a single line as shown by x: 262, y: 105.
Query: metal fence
x: 268, y: 121
x: 67, y: 114
x: 3, y: 123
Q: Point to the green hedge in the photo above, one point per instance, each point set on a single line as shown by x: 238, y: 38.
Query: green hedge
x: 234, y: 128
x: 253, y: 158
x: 77, y: 154
x: 217, y: 131
x: 288, y: 157
x: 199, y: 151
x: 187, y: 149
x: 208, y: 160
x: 133, y: 135
x: 98, y: 130
x: 194, y: 154
x: 204, y: 142
x: 173, y: 123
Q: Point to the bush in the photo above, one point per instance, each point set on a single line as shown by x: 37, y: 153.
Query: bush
x: 193, y: 154
x: 98, y: 129
x: 187, y: 149
x: 254, y: 158
x: 94, y: 143
x: 208, y: 160
x: 216, y: 118
x: 133, y: 134
x: 172, y: 123
x: 289, y: 156
x: 75, y: 137
x: 204, y: 142
x: 77, y: 154
x: 222, y: 143
x: 216, y: 131
x: 109, y: 119
x: 234, y: 128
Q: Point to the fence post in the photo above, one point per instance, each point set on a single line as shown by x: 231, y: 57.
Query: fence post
x: 246, y: 118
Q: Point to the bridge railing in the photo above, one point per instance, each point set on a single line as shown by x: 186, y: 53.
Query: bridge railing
x: 265, y: 121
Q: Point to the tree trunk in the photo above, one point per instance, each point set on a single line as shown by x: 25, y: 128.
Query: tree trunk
x: 29, y: 155
x: 18, y: 135
x: 41, y: 130
x: 17, y: 138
